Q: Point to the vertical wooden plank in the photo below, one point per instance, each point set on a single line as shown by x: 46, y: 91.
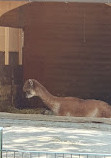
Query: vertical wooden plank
x: 6, y: 45
x: 84, y: 27
x: 2, y: 39
x: 21, y: 43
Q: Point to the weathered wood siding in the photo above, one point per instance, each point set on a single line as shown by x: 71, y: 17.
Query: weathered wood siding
x: 68, y: 48
x: 11, y: 82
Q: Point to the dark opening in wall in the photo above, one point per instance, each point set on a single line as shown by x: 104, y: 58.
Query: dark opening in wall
x: 2, y: 58
x: 13, y: 58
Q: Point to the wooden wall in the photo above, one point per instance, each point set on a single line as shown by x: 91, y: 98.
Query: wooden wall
x: 11, y: 70
x: 6, y: 6
x: 11, y: 40
x: 67, y: 46
x: 11, y: 82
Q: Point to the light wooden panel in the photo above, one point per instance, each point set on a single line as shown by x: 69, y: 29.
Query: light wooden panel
x: 11, y: 40
x: 2, y: 39
x: 6, y: 6
x: 6, y: 45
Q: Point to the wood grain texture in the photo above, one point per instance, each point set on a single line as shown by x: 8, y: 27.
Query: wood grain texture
x: 67, y: 46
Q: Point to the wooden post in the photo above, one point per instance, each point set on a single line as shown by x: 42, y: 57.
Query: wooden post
x: 6, y: 45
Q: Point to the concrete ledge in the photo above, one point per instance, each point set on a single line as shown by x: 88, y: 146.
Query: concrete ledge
x: 52, y: 118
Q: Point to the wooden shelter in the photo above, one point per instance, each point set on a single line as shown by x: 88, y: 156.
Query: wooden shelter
x: 67, y: 46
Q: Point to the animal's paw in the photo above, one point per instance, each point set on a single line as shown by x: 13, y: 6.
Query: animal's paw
x: 48, y: 112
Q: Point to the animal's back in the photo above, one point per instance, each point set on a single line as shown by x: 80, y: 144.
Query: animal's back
x: 98, y: 108
x: 84, y: 108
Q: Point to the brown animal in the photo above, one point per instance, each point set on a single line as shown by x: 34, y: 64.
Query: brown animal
x: 67, y: 106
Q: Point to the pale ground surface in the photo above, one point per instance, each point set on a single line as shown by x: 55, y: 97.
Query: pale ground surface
x: 33, y: 132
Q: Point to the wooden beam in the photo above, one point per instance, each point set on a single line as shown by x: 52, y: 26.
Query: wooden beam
x: 6, y: 45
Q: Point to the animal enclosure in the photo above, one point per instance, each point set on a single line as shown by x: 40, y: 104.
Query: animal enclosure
x: 66, y: 46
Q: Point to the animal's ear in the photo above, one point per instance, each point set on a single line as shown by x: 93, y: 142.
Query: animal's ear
x: 31, y: 82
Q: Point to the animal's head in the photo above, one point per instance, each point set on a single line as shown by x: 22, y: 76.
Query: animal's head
x: 30, y: 88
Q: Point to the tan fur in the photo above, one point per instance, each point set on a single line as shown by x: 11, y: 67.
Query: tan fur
x: 67, y: 106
